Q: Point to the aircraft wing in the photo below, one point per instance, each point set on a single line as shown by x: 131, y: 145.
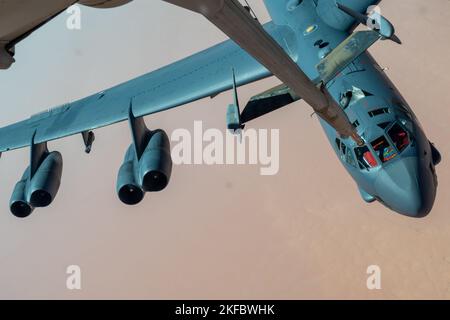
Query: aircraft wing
x: 204, y: 74
x: 237, y: 22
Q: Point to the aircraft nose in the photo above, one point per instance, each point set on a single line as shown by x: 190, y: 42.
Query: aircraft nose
x: 407, y: 187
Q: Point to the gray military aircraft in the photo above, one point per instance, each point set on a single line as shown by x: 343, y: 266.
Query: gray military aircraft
x: 18, y: 19
x: 312, y: 47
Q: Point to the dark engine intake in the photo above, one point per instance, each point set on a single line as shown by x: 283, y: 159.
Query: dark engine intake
x: 41, y: 189
x: 150, y: 173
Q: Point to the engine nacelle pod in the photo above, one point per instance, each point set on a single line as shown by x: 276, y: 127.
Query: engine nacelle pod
x: 148, y: 174
x: 18, y: 204
x: 127, y: 188
x: 155, y: 165
x: 46, y: 181
x: 41, y: 189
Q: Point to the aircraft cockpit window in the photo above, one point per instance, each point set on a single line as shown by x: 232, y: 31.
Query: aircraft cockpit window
x: 366, y: 159
x: 399, y: 137
x: 338, y: 143
x: 383, y: 149
x: 341, y: 147
x: 345, y: 153
x: 350, y: 158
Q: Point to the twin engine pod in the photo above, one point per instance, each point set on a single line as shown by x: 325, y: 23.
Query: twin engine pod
x: 145, y: 169
x: 39, y: 188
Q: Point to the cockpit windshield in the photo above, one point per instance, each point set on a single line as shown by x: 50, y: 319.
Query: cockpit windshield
x: 365, y: 158
x: 383, y: 149
x: 399, y: 137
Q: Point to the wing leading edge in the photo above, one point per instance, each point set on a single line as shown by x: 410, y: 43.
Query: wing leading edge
x: 204, y: 74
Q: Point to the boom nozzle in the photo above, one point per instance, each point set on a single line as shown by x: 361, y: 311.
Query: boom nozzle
x: 357, y: 138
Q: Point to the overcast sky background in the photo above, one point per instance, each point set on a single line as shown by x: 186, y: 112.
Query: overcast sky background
x: 216, y: 231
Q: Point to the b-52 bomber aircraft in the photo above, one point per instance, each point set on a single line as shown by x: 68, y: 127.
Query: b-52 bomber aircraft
x: 312, y: 47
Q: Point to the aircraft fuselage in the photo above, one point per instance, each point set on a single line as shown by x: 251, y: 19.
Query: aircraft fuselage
x: 396, y: 165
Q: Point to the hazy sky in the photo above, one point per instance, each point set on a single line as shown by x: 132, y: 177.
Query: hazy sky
x: 216, y: 231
